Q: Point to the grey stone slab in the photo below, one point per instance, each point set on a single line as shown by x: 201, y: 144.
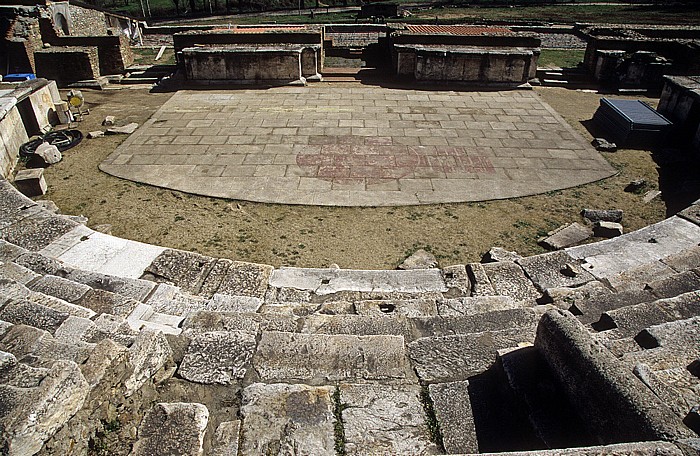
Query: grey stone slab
x: 652, y: 243
x: 148, y: 354
x: 681, y: 335
x: 40, y: 263
x: 393, y: 307
x: 17, y: 273
x: 614, y: 404
x: 207, y: 321
x: 589, y: 308
x: 100, y: 301
x: 172, y: 428
x: 32, y: 314
x: 287, y: 419
x: 60, y: 288
x: 554, y: 270
x: 187, y: 270
x: 509, y: 279
x: 475, y: 305
x: 35, y: 233
x: 327, y: 358
x: 32, y: 419
x: 227, y: 303
x: 226, y: 438
x: 329, y: 281
x: 566, y: 236
x: 481, y: 284
x: 9, y: 251
x: 453, y: 411
x: 675, y: 285
x: 246, y: 279
x: 458, y: 357
x: 170, y: 300
x: 128, y: 287
x: 384, y: 419
x: 358, y: 325
x: 217, y: 357
x: 685, y: 260
x: 456, y: 280
x: 489, y: 321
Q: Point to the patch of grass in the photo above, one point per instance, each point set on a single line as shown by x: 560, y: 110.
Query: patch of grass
x: 430, y: 418
x: 147, y: 56
x: 339, y: 429
x: 562, y: 58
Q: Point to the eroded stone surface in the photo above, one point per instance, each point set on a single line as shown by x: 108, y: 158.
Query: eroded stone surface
x: 323, y: 358
x: 287, y: 419
x: 508, y: 279
x: 474, y: 305
x: 383, y: 419
x: 226, y: 439
x: 554, y: 270
x: 148, y: 354
x: 218, y: 357
x: 458, y: 357
x: 172, y: 428
x: 246, y: 279
x: 453, y: 411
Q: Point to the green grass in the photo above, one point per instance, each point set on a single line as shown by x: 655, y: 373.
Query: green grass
x: 146, y: 56
x: 562, y: 58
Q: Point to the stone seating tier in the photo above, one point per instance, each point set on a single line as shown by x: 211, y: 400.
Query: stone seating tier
x: 106, y: 340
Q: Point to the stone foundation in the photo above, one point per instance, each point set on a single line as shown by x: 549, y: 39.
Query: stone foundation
x: 259, y: 64
x: 680, y: 102
x: 68, y: 64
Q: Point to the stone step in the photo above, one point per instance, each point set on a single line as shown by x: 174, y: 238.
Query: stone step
x: 636, y: 448
x: 59, y: 287
x: 296, y: 417
x: 461, y: 356
x: 17, y: 273
x: 553, y: 418
x: 454, y: 414
x: 359, y: 325
x: 630, y: 320
x: 384, y: 419
x: 509, y: 279
x: 172, y: 428
x: 221, y: 357
x: 23, y: 312
x: 468, y: 324
x: 19, y: 375
x: 323, y: 358
x: 473, y: 305
x: 10, y: 290
x: 208, y: 321
x: 675, y: 285
x: 612, y: 402
x: 38, y: 348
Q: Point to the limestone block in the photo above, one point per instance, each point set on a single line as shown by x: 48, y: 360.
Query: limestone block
x: 17, y: 273
x: 324, y: 358
x: 554, y: 270
x: 218, y: 357
x: 607, y: 229
x: 101, y: 301
x: 172, y: 428
x: 509, y: 279
x: 78, y: 328
x: 48, y: 153
x: 149, y: 353
x: 287, y: 419
x: 475, y: 305
x: 207, y: 321
x: 566, y: 236
x: 60, y: 288
x: 169, y: 299
x: 187, y: 270
x: 453, y: 411
x: 32, y: 314
x: 123, y: 130
x: 226, y: 439
x: 360, y: 325
x: 45, y: 409
x: 37, y: 231
x: 393, y: 307
x: 456, y: 280
x: 458, y: 357
x: 226, y: 303
x: 467, y: 324
x: 384, y: 419
x: 107, y: 357
x: 499, y: 254
x: 420, y: 259
x: 612, y: 402
x: 19, y: 375
x: 246, y: 279
x: 31, y: 182
x: 606, y: 215
x: 481, y: 285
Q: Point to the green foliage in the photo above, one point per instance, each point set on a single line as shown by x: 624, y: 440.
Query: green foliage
x: 339, y: 429
x: 430, y: 418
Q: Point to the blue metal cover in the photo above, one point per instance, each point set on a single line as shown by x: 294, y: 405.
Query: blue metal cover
x: 639, y: 113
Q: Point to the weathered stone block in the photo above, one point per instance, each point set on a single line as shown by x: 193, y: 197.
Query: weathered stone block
x: 173, y: 428
x: 218, y: 357
x: 31, y: 182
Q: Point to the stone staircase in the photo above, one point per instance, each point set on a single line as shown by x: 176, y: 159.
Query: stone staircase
x: 110, y: 346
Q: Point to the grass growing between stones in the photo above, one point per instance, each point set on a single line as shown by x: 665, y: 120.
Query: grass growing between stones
x: 430, y: 419
x: 338, y: 427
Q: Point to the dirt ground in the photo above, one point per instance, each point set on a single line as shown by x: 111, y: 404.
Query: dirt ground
x: 368, y: 238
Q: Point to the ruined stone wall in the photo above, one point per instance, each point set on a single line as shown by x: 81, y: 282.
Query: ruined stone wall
x: 21, y: 39
x: 113, y: 51
x: 12, y: 135
x: 66, y: 64
x: 87, y: 22
x: 253, y: 65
